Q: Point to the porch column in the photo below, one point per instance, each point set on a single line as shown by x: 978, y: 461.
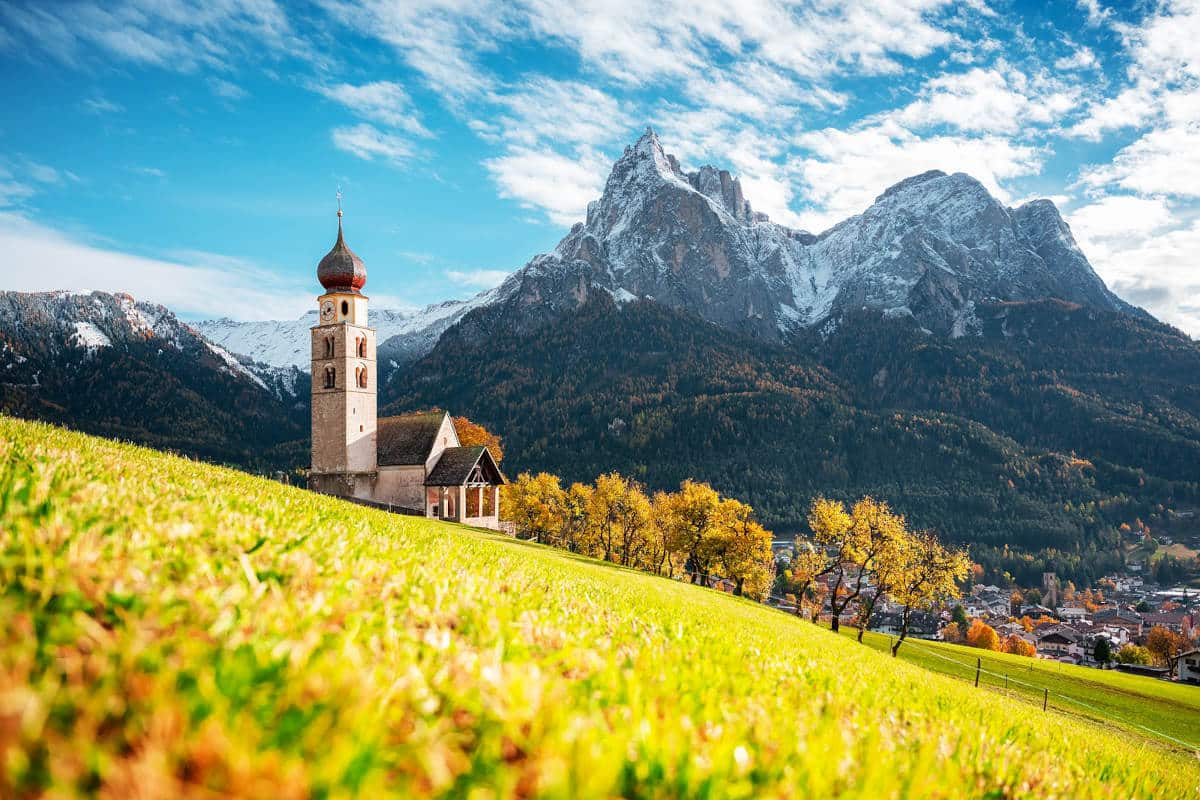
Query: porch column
x: 495, y: 490
x: 460, y: 504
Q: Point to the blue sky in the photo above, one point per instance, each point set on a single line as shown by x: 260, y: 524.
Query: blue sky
x: 189, y: 152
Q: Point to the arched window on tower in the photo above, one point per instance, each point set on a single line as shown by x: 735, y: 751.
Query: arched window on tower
x: 330, y: 378
x: 362, y: 377
x: 362, y: 346
x: 329, y: 347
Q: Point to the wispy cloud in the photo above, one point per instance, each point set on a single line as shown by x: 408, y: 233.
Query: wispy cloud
x: 203, y: 284
x: 478, y: 278
x: 369, y: 143
x: 385, y: 102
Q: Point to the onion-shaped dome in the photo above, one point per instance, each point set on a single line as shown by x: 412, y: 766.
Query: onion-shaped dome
x: 341, y: 270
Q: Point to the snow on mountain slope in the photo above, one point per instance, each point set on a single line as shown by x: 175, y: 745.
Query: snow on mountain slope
x: 930, y: 247
x: 402, y: 334
x: 47, y: 326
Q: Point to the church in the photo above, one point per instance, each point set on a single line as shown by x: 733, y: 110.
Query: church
x: 412, y: 463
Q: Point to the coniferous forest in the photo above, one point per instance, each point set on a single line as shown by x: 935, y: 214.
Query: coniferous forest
x: 1032, y: 442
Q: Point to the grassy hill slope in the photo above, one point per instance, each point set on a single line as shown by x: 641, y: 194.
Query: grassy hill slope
x: 1141, y: 705
x: 174, y: 629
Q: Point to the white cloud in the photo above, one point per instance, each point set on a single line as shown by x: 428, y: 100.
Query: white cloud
x: 1163, y: 161
x: 227, y: 89
x: 368, y: 143
x: 478, y: 278
x: 559, y: 185
x: 1095, y: 13
x: 848, y: 169
x: 180, y: 35
x: 993, y: 100
x: 566, y: 113
x: 1145, y: 254
x: 198, y: 283
x: 102, y: 105
x: 1081, y: 58
x: 1119, y: 217
x: 385, y: 102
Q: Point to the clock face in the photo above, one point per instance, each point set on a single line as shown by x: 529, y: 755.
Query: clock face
x: 327, y: 310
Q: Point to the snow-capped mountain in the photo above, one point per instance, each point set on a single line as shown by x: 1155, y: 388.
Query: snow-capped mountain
x: 59, y: 323
x: 403, y: 335
x: 106, y: 363
x: 931, y: 246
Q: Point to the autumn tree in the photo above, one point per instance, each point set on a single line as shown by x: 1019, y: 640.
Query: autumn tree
x: 951, y: 633
x: 890, y: 541
x: 743, y: 549
x: 472, y: 434
x: 619, y: 511
x: 983, y: 636
x: 535, y: 503
x: 1133, y: 654
x: 809, y: 564
x: 690, y: 518
x: 1165, y: 646
x: 1019, y: 647
x: 660, y: 557
x: 576, y: 533
x: 930, y: 577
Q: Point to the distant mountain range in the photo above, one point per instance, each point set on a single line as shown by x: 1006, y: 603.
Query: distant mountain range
x: 931, y: 247
x: 107, y: 364
x: 956, y: 356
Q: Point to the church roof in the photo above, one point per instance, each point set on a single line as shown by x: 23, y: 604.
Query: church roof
x: 341, y: 270
x: 408, y: 439
x: 456, y: 464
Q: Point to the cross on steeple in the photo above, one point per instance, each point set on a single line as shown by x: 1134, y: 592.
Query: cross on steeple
x: 339, y: 201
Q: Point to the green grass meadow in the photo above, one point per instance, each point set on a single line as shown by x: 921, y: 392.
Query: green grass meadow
x: 173, y: 629
x: 1161, y: 710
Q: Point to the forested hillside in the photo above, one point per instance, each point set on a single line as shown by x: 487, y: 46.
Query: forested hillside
x: 1030, y: 445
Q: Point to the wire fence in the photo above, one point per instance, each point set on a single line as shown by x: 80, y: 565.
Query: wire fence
x: 1047, y: 694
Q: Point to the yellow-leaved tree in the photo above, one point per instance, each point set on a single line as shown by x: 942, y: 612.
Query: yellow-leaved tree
x: 930, y: 576
x: 535, y: 503
x: 809, y: 564
x: 620, y: 512
x: 743, y: 549
x: 690, y: 519
x: 472, y: 434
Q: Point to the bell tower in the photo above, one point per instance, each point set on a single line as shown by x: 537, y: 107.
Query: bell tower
x: 344, y: 377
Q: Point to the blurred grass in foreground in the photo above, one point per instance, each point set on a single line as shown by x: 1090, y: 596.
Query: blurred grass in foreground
x: 176, y: 629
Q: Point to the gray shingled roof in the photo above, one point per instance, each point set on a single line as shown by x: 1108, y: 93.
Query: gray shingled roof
x: 406, y: 440
x: 456, y: 463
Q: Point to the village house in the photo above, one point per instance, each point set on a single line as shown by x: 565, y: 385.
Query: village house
x: 412, y: 463
x: 1189, y: 666
x: 1129, y: 621
x: 1060, y: 643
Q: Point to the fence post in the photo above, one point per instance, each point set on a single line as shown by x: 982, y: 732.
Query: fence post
x: 1006, y: 683
x: 1045, y: 699
x: 978, y: 665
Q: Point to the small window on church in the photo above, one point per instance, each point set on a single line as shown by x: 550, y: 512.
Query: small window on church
x: 330, y: 377
x: 345, y: 308
x: 362, y: 377
x: 329, y: 347
x: 362, y: 347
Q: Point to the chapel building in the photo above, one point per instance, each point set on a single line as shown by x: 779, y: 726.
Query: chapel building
x: 412, y: 462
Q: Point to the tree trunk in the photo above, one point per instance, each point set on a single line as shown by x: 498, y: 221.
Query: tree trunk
x: 903, y: 632
x: 834, y: 622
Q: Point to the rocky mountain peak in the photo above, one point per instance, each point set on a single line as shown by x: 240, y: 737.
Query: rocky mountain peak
x: 930, y: 247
